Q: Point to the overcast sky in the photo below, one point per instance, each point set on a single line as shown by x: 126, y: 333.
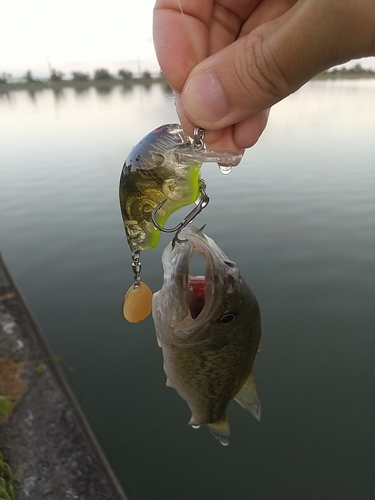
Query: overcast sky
x: 79, y: 35
x: 76, y: 35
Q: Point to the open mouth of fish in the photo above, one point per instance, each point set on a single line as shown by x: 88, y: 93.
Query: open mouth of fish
x: 193, y: 297
x: 196, y: 297
x: 192, y: 292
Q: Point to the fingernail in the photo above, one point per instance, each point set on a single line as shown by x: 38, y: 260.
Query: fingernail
x: 204, y: 99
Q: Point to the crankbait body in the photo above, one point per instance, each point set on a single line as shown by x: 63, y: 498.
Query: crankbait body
x: 153, y: 173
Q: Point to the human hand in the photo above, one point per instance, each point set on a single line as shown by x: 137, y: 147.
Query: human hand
x: 231, y: 60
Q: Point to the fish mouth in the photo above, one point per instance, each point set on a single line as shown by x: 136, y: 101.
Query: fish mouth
x: 194, y: 295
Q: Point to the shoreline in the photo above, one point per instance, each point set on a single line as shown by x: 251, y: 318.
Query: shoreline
x: 45, y: 437
x: 147, y: 82
x: 79, y: 84
x: 344, y: 75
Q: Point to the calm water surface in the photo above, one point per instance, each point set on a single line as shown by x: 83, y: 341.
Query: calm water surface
x: 297, y: 215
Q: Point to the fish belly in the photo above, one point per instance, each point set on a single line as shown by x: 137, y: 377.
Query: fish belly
x: 206, y: 380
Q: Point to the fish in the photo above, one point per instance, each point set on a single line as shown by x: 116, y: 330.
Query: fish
x: 151, y: 174
x: 209, y: 330
x: 163, y: 170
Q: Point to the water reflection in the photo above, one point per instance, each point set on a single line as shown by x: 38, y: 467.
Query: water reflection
x: 167, y: 89
x: 297, y: 216
x: 147, y: 86
x: 58, y: 93
x: 104, y: 90
x: 126, y: 88
x: 32, y: 93
x: 6, y: 95
x: 81, y: 91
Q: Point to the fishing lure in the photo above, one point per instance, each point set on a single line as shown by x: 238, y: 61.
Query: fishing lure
x: 161, y: 175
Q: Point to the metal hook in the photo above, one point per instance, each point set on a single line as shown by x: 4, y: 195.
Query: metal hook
x: 136, y: 267
x: 202, y: 203
x: 198, y: 138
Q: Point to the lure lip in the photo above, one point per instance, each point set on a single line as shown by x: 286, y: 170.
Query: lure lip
x: 188, y: 155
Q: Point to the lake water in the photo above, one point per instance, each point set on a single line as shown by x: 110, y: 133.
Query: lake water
x: 297, y: 215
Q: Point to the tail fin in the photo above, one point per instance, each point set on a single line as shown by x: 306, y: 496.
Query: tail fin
x: 221, y: 431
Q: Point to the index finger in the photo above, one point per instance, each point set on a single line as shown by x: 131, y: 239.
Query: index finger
x: 181, y: 37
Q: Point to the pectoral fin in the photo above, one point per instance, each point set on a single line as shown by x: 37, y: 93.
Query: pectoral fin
x: 248, y: 397
x: 169, y: 383
x: 221, y: 431
x: 194, y: 423
x: 158, y: 340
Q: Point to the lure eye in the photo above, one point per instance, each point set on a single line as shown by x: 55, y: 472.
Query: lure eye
x: 227, y: 318
x: 229, y: 263
x: 158, y: 159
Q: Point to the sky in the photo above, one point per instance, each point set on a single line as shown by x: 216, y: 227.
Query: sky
x: 79, y: 35
x: 76, y: 35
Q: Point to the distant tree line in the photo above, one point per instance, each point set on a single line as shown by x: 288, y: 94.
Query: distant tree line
x: 102, y: 74
x: 356, y: 70
x: 5, y: 77
x: 78, y: 76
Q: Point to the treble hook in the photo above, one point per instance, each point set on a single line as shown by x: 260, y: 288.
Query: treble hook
x: 202, y: 203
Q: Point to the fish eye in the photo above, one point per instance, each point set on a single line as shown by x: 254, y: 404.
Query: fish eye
x: 227, y: 317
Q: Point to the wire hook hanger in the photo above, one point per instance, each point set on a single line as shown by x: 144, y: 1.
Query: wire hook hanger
x: 202, y: 203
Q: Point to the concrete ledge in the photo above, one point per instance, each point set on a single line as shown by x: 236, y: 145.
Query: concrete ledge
x: 47, y: 438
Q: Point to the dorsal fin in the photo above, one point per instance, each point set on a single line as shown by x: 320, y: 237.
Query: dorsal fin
x: 221, y: 431
x: 248, y: 397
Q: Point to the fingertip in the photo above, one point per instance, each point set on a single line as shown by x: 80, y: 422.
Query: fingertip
x: 223, y: 140
x: 188, y: 125
x: 247, y: 132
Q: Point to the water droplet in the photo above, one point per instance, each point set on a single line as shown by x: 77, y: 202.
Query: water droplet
x: 195, y: 426
x: 225, y: 170
x: 224, y: 441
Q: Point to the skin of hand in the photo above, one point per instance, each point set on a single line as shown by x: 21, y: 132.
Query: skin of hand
x: 229, y: 61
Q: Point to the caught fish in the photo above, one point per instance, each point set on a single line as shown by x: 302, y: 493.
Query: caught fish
x: 209, y: 330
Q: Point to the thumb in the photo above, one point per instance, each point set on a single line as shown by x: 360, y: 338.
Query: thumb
x: 271, y: 62
x: 236, y: 82
x: 233, y: 84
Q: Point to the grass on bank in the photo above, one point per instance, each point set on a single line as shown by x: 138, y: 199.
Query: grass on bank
x: 7, y: 480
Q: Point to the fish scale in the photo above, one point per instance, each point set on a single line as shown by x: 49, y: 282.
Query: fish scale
x: 208, y: 357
